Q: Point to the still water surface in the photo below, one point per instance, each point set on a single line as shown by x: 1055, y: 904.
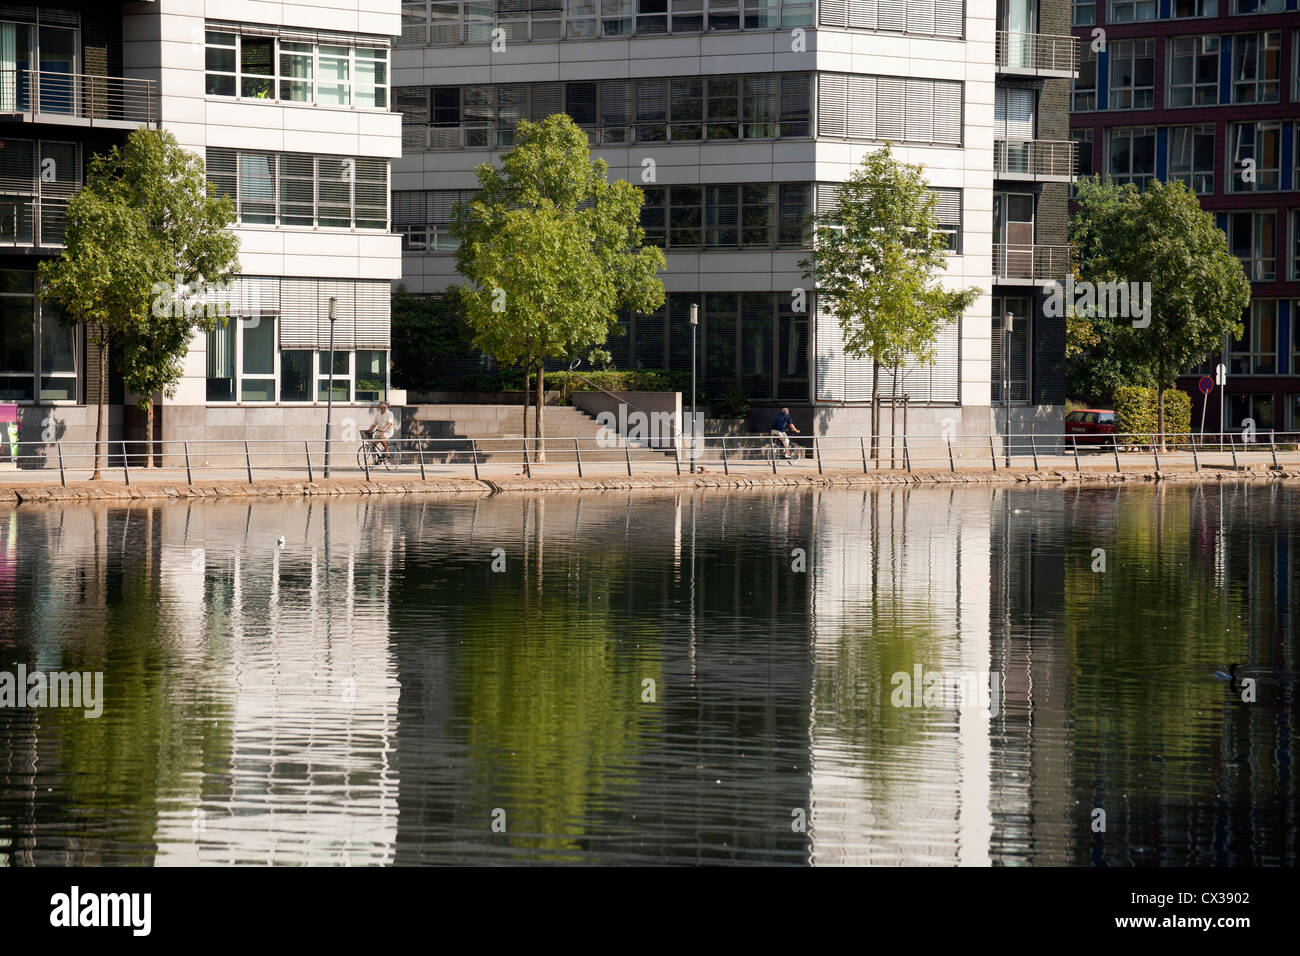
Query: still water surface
x: 658, y: 678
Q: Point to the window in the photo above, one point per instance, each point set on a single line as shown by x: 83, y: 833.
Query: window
x: 38, y: 355
x: 424, y: 218
x: 257, y: 359
x: 1194, y: 71
x: 1256, y: 352
x: 680, y: 109
x: 1256, y: 156
x: 1085, y: 13
x: 1132, y: 156
x: 1132, y: 75
x: 1258, y: 408
x: 1083, y: 95
x: 1191, y: 157
x: 1256, y: 67
x: 37, y: 178
x: 853, y: 106
x: 340, y: 382
x: 372, y: 375
x: 295, y: 69
x: 291, y: 189
x: 1295, y: 260
x: 295, y: 375
x: 750, y: 215
x: 948, y: 210
x: 1131, y: 11
x: 1083, y: 140
x: 1017, y: 348
x: 1252, y: 238
x: 1258, y: 6
x: 1195, y: 8
x: 940, y: 18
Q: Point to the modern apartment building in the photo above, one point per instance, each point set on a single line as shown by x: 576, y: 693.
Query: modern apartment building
x: 289, y: 105
x: 738, y: 117
x: 1208, y: 92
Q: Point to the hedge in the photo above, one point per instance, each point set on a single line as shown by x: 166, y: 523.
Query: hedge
x: 613, y: 380
x: 1135, y: 411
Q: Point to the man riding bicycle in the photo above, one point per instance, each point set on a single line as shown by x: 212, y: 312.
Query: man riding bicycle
x: 381, y: 429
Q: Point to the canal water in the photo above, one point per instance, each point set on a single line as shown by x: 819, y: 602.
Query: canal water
x: 928, y: 675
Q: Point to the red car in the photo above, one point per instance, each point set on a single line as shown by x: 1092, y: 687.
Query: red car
x: 1091, y: 426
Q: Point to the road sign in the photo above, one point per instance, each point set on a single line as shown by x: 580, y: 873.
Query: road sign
x: 1220, y: 374
x: 1206, y: 385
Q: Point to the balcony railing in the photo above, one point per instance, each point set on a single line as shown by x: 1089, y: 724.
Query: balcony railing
x: 28, y: 222
x: 75, y: 97
x: 1031, y: 264
x: 1043, y: 160
x: 1039, y: 54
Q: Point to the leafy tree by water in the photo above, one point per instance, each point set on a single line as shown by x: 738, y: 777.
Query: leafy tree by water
x: 875, y: 263
x: 551, y: 251
x: 145, y: 217
x: 1159, y: 235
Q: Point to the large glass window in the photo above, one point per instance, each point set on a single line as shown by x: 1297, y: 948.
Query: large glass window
x: 1132, y: 75
x: 1252, y: 238
x: 1016, y: 345
x: 1256, y: 67
x: 38, y: 355
x: 37, y: 178
x: 1258, y: 6
x: 1256, y: 156
x: 294, y: 189
x: 257, y: 361
x: 372, y: 375
x: 1083, y: 95
x: 295, y: 69
x: 1195, y: 8
x: 1194, y: 71
x: 1295, y: 259
x: 1132, y: 156
x: 752, y: 215
x: 1085, y: 13
x: 342, y: 379
x: 1191, y: 156
x: 1131, y: 11
x: 296, y: 375
x: 1255, y: 353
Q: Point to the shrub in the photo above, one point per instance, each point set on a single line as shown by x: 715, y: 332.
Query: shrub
x: 1135, y: 411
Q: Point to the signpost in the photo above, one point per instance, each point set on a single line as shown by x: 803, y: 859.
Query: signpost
x: 1206, y: 386
x: 1221, y: 379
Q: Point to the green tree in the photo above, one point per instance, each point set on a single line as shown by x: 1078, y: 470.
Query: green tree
x: 144, y: 231
x: 1198, y: 289
x: 874, y: 259
x: 552, y: 251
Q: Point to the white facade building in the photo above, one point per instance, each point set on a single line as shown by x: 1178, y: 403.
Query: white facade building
x: 737, y: 119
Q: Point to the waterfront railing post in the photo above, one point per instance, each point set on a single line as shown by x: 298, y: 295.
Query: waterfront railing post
x: 528, y: 471
x: 62, y: 480
x: 1074, y: 440
x: 725, y: 469
x: 420, y: 451
x: 1232, y: 444
x: 627, y: 453
x: 993, y: 455
x: 1196, y: 464
x: 862, y: 445
x: 248, y: 463
x: 306, y: 451
x: 1033, y: 445
x: 817, y: 453
x: 126, y: 468
x: 189, y: 478
x: 907, y: 455
x: 771, y: 452
x: 952, y: 465
x: 577, y: 456
x: 1114, y: 446
x: 473, y: 447
x: 1155, y: 450
x: 677, y: 455
x: 1272, y: 444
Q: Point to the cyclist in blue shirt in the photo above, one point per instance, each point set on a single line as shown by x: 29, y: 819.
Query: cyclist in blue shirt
x: 781, y: 426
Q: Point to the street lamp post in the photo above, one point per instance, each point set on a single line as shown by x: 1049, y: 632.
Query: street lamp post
x: 695, y: 328
x: 1006, y: 379
x: 329, y: 395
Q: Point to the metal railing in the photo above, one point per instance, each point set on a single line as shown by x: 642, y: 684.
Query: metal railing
x: 1031, y: 263
x: 47, y: 93
x: 1037, y: 53
x: 31, y: 222
x: 1034, y: 159
x: 222, y: 462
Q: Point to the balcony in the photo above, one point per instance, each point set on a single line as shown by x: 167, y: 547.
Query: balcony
x: 1030, y: 264
x: 1035, y: 161
x: 77, y: 99
x: 1037, y: 54
x: 30, y: 224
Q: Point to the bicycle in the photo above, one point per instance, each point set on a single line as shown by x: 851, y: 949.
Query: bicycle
x: 370, y: 458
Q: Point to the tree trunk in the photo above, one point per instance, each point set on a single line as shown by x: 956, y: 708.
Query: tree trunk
x: 538, y: 412
x: 102, y: 404
x: 893, y: 415
x: 528, y: 384
x: 1160, y: 416
x: 875, y: 409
